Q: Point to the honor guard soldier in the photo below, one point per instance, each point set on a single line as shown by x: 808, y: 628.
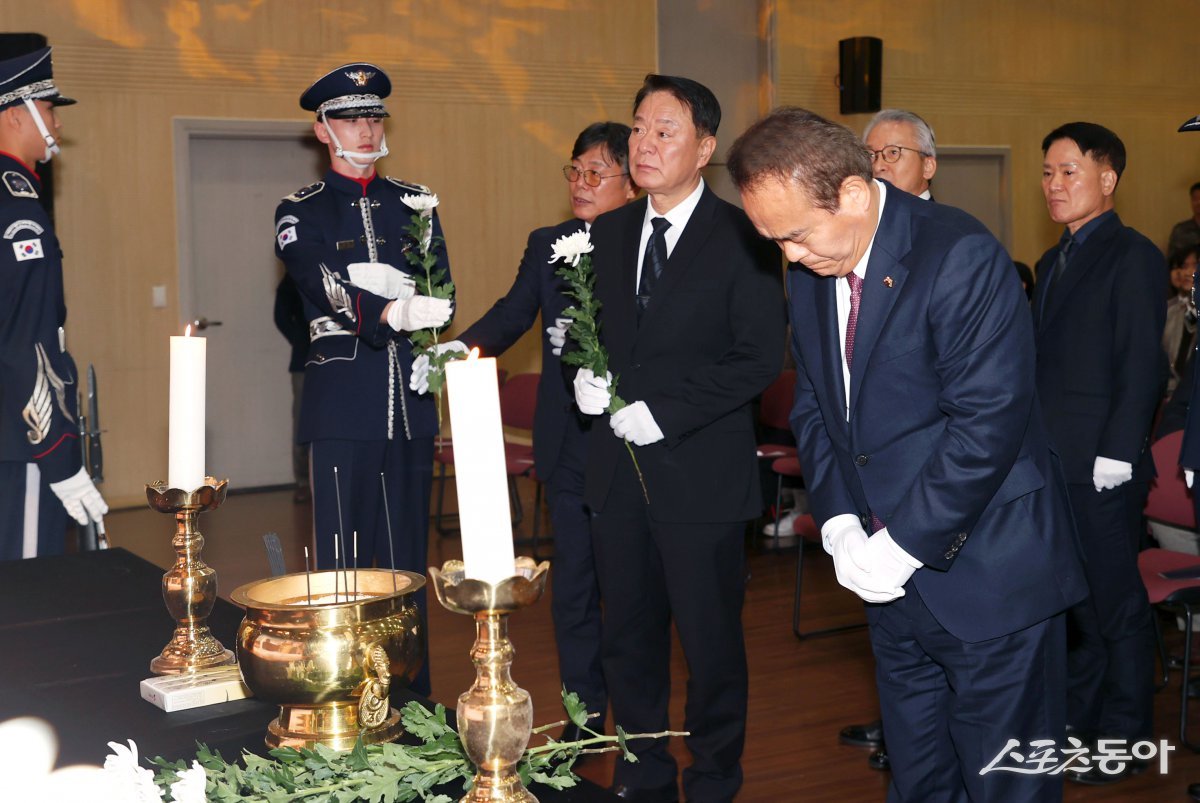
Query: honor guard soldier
x: 343, y: 241
x: 41, y: 471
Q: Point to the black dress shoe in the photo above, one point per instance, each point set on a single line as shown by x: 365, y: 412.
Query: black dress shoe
x: 878, y: 760
x: 668, y: 793
x: 869, y: 735
x: 1097, y: 777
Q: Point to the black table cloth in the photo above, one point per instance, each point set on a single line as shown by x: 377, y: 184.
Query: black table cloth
x: 77, y: 633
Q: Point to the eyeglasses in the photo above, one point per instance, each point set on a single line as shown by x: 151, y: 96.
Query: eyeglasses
x: 590, y: 177
x: 892, y: 153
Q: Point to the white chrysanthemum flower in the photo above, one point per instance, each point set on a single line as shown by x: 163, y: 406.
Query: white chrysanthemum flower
x: 421, y: 203
x: 571, y: 247
x: 138, y: 781
x: 190, y: 786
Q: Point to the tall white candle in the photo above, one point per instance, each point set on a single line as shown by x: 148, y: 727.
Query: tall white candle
x: 185, y: 461
x: 479, y: 471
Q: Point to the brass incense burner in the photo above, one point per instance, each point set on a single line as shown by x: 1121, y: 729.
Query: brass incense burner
x: 495, y: 716
x: 326, y: 648
x: 189, y: 588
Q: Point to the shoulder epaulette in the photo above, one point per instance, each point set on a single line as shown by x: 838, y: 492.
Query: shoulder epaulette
x: 305, y: 192
x: 18, y: 185
x: 408, y: 185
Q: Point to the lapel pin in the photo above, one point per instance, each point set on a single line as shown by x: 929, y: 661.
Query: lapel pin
x: 887, y: 281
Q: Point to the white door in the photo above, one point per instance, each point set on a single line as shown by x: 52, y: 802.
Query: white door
x: 231, y: 175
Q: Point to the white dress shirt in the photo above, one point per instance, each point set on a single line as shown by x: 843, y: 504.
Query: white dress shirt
x: 842, y: 289
x: 678, y: 218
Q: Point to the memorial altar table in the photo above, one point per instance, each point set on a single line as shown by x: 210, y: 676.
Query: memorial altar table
x: 77, y: 633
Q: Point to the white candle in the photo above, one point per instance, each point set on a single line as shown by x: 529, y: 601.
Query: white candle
x: 185, y: 461
x: 479, y: 468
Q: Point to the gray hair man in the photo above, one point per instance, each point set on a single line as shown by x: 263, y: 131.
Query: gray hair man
x: 903, y: 150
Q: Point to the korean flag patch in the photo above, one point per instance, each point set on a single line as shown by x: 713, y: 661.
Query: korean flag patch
x: 286, y: 236
x: 28, y: 249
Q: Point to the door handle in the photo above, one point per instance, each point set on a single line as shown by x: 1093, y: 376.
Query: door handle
x: 203, y: 323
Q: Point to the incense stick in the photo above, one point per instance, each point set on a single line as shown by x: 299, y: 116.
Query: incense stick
x: 307, y: 577
x: 335, y: 567
x: 387, y: 516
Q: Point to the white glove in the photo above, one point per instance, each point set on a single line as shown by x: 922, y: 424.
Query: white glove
x: 636, y: 423
x: 844, y: 544
x: 418, y: 312
x: 80, y: 497
x: 1189, y: 476
x: 381, y: 279
x: 1108, y: 473
x: 880, y: 568
x: 419, y: 381
x: 558, y: 335
x: 591, y: 392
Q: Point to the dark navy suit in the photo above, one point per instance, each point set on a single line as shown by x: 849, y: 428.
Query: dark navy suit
x: 945, y: 445
x: 39, y: 441
x: 1101, y: 370
x: 358, y: 414
x: 559, y: 452
x: 710, y: 340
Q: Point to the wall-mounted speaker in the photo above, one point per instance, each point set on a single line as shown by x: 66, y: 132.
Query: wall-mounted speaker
x: 860, y: 81
x: 11, y: 46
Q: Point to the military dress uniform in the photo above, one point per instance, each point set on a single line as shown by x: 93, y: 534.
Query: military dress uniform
x: 39, y: 439
x: 358, y: 414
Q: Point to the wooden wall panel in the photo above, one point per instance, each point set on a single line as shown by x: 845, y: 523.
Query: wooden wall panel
x: 488, y: 97
x: 1008, y: 73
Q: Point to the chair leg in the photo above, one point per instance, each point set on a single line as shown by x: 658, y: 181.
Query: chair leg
x: 824, y: 631
x: 1183, y: 682
x: 515, y: 496
x: 778, y: 501
x: 1165, y: 678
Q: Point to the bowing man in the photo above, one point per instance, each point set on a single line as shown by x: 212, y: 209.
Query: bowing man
x: 927, y: 464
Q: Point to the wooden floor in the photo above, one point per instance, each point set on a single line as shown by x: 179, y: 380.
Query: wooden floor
x: 801, y: 692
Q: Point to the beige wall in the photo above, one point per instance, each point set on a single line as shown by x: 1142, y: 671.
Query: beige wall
x: 989, y: 73
x: 488, y: 97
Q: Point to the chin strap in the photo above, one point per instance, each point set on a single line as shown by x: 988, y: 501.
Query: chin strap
x: 51, y: 143
x: 356, y: 159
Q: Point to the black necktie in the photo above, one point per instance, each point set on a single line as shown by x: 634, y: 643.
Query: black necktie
x: 653, y: 261
x: 1060, y: 267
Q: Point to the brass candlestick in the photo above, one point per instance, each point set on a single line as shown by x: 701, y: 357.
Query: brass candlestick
x: 495, y: 716
x: 190, y: 586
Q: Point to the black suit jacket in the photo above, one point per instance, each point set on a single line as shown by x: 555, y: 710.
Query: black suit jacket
x: 710, y: 340
x: 536, y: 289
x: 1101, y: 367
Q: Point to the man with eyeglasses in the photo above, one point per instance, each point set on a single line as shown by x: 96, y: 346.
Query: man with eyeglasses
x: 903, y: 154
x: 597, y: 182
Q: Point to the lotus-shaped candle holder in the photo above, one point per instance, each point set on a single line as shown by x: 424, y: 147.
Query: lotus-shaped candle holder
x: 495, y: 716
x: 189, y: 587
